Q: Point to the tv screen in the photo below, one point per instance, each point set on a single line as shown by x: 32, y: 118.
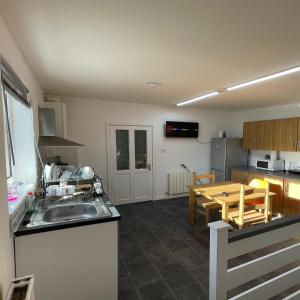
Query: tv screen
x: 182, y: 129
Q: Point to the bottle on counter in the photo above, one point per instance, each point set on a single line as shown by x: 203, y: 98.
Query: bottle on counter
x: 12, y: 194
x: 30, y: 201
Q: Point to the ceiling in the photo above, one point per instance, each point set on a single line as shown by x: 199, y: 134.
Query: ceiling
x: 109, y: 49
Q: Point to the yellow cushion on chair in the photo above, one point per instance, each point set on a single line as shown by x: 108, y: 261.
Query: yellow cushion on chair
x: 258, y: 184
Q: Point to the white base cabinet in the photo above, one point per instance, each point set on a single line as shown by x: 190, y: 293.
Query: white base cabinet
x: 76, y: 263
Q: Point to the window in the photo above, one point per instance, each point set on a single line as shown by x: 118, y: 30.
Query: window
x: 140, y: 142
x: 19, y: 140
x: 18, y: 129
x: 122, y: 149
x: 8, y: 136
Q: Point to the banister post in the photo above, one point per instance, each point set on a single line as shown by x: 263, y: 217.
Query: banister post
x: 218, y: 260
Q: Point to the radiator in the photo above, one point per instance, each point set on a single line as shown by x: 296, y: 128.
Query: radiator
x: 21, y: 288
x: 178, y: 181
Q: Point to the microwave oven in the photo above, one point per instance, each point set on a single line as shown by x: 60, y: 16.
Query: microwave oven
x: 270, y: 164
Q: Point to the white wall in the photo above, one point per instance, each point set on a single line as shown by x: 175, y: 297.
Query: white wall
x: 269, y: 113
x: 10, y: 51
x: 87, y: 125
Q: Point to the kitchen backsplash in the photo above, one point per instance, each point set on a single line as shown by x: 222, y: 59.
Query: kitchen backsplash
x: 68, y: 155
x: 292, y: 159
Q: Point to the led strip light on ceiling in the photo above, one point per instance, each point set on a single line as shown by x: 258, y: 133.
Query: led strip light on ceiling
x: 198, y: 98
x: 241, y: 85
x: 265, y: 78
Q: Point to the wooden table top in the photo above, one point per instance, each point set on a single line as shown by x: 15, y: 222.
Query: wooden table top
x: 216, y: 184
x: 235, y: 198
x: 214, y: 192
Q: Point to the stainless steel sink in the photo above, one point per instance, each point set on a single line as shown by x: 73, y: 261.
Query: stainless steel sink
x: 68, y: 209
x: 69, y: 212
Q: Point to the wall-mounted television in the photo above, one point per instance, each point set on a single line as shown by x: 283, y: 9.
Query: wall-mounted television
x: 182, y: 129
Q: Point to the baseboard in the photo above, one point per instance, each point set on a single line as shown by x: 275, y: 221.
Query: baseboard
x: 176, y: 196
x: 167, y: 196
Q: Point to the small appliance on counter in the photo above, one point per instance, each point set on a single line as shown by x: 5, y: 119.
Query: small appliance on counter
x: 222, y: 134
x: 270, y: 164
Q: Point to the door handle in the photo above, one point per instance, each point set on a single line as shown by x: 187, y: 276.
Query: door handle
x: 149, y: 166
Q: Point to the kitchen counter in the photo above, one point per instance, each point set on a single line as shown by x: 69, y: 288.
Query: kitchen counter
x: 69, y: 260
x: 285, y: 185
x: 24, y: 230
x: 280, y: 174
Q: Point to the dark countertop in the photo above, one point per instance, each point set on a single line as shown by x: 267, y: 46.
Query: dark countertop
x: 280, y: 174
x: 24, y: 230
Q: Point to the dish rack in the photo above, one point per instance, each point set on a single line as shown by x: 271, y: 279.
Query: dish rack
x: 72, y: 176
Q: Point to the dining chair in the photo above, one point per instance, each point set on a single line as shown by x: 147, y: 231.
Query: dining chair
x: 243, y: 217
x: 259, y: 185
x: 204, y: 204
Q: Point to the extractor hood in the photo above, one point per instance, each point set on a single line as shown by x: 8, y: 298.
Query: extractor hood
x: 48, y: 136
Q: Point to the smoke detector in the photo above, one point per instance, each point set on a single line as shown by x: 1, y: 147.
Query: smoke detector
x: 153, y: 84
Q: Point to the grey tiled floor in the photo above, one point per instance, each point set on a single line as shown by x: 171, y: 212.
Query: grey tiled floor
x: 163, y: 257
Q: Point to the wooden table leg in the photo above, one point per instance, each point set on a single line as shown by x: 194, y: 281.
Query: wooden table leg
x: 225, y: 208
x: 192, y: 204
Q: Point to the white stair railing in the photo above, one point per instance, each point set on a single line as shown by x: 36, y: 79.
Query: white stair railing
x: 225, y: 245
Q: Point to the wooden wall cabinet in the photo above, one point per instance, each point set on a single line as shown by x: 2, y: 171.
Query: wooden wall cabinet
x: 279, y: 135
x: 298, y: 136
x: 285, y: 134
x: 291, y: 203
x: 239, y: 176
x: 264, y: 135
x: 250, y: 135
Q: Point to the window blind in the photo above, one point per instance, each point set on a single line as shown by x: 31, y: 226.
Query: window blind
x: 12, y: 83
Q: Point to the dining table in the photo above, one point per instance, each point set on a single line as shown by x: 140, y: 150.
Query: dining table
x: 226, y: 193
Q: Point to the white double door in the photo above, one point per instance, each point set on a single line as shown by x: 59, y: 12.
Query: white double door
x: 130, y: 163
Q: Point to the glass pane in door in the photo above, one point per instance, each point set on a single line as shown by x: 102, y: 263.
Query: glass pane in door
x: 140, y: 141
x: 122, y: 149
